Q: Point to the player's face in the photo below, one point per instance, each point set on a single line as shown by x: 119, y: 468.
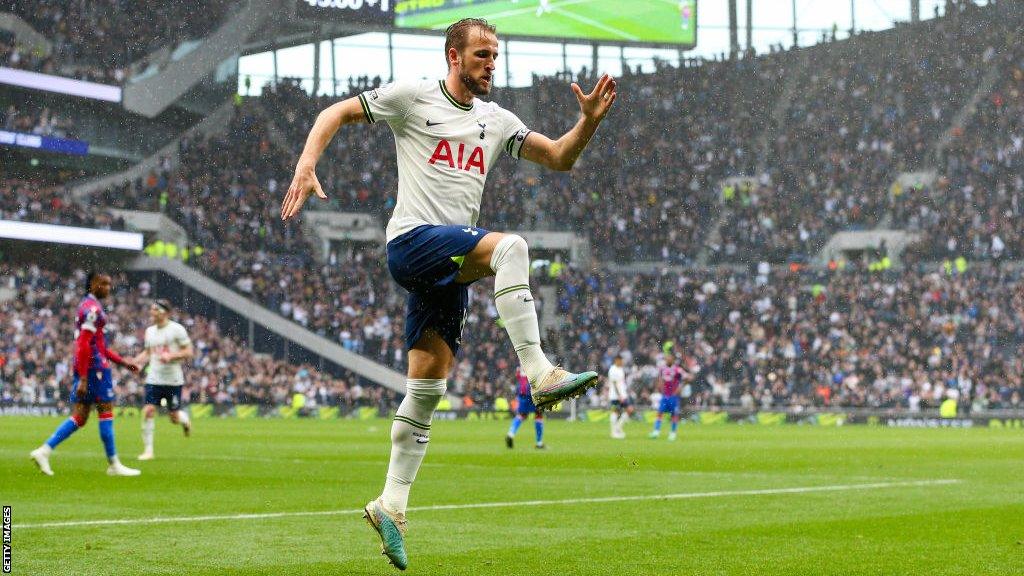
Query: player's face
x: 476, y: 62
x: 157, y: 314
x: 101, y: 286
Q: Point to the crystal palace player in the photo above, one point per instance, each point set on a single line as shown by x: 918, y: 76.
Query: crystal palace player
x: 447, y: 140
x: 92, y: 382
x: 525, y: 407
x: 671, y: 378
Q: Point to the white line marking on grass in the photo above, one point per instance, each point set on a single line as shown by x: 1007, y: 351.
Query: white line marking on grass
x: 594, y: 500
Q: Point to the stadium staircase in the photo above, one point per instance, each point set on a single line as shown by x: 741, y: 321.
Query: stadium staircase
x: 274, y: 132
x: 780, y: 111
x: 777, y: 118
x: 152, y: 91
x: 550, y: 319
x: 24, y: 33
x: 256, y: 314
x: 969, y: 109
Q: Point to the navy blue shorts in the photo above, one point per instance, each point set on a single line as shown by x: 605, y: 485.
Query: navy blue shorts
x: 670, y: 405
x: 101, y: 387
x: 526, y: 405
x: 426, y: 261
x: 172, y: 394
x: 621, y: 403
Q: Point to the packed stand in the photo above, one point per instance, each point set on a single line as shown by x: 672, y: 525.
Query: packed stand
x: 40, y: 121
x: 901, y: 342
x: 50, y: 203
x: 865, y: 110
x: 36, y: 348
x: 100, y: 40
x: 974, y: 208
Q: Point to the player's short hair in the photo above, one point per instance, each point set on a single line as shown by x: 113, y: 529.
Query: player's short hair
x: 457, y: 35
x: 93, y: 274
x: 163, y: 303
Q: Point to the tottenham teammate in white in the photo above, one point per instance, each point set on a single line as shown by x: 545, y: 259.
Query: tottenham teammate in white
x: 447, y: 140
x: 166, y: 345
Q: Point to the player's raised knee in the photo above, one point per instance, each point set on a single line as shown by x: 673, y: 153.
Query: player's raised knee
x: 511, y: 250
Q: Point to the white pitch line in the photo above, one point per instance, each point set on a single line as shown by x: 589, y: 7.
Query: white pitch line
x: 595, y: 500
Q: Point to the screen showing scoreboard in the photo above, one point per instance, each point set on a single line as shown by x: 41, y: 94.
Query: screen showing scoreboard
x: 669, y: 22
x: 357, y: 11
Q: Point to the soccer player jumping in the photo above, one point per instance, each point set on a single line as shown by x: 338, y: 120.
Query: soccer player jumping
x: 447, y: 140
x: 92, y: 382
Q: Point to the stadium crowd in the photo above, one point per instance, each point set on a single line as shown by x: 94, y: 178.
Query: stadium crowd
x: 101, y: 40
x: 865, y: 110
x: 41, y: 121
x: 788, y: 340
x: 974, y: 207
x: 779, y: 339
x: 38, y: 332
x: 35, y: 200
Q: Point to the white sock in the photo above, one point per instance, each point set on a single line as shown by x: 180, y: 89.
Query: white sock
x: 148, y: 425
x: 410, y: 433
x: 511, y: 264
x: 183, y: 418
x: 615, y: 424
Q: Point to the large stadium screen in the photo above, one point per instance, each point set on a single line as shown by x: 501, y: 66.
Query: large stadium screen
x: 637, y: 21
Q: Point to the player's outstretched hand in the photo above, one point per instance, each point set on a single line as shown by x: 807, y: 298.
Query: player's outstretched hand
x: 304, y: 184
x: 596, y: 104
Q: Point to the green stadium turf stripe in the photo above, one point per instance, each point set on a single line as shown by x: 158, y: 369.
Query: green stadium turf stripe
x: 504, y: 291
x: 567, y: 501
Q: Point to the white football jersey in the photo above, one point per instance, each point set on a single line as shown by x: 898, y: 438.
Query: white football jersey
x: 172, y: 338
x: 617, y: 383
x: 445, y: 150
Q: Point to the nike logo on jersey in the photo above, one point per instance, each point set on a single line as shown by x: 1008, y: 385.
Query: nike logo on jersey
x: 429, y: 123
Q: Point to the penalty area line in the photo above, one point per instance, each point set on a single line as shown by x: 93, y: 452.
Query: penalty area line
x: 478, y: 505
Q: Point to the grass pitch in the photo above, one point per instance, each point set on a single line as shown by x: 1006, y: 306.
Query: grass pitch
x: 656, y: 21
x: 743, y: 500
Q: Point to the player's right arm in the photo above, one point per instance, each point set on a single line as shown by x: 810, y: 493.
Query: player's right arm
x: 305, y: 182
x: 390, y: 102
x: 83, y: 356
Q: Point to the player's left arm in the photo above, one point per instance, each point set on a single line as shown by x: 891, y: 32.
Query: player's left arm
x: 101, y: 343
x: 185, y: 350
x: 561, y: 154
x: 183, y: 353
